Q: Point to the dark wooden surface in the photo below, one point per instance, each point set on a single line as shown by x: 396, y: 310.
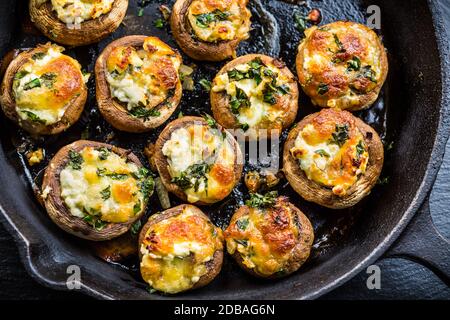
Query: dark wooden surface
x: 400, y: 278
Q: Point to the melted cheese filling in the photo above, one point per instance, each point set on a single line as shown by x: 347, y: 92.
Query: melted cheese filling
x: 329, y: 164
x: 218, y: 20
x: 259, y: 113
x: 199, y: 144
x: 106, y: 189
x: 77, y: 11
x: 44, y: 86
x: 250, y: 235
x: 175, y: 250
x: 321, y: 55
x: 143, y: 78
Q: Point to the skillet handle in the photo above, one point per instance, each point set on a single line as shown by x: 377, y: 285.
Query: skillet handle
x: 422, y: 243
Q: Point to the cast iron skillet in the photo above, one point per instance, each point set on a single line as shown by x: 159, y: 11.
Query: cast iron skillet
x: 412, y: 112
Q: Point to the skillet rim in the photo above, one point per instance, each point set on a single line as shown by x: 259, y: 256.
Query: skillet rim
x: 26, y: 246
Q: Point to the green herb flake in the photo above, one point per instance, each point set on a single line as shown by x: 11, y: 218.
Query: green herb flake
x: 75, y: 160
x: 354, y: 64
x: 210, y: 121
x: 300, y: 21
x: 48, y: 79
x: 19, y: 75
x: 206, y: 84
x: 205, y: 19
x: 322, y: 153
x: 144, y: 113
x: 241, y: 100
x: 103, y: 153
x: 117, y: 176
x: 338, y: 43
x: 262, y: 201
x: 242, y: 224
x: 159, y: 23
x: 33, y: 117
x: 193, y: 176
x: 35, y: 83
x: 38, y: 56
x: 95, y: 221
x: 137, y: 208
x: 106, y: 193
x: 340, y: 136
x: 369, y: 73
x: 136, y: 227
x: 360, y: 148
x: 147, y: 186
x: 140, y: 12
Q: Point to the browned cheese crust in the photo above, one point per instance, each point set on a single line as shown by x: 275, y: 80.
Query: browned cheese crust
x: 277, y: 234
x: 59, y: 212
x: 115, y: 112
x: 314, y: 192
x: 159, y: 160
x: 213, y: 266
x: 7, y: 101
x: 90, y: 31
x: 220, y: 102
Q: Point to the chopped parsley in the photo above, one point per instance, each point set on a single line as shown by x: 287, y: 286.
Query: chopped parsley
x: 193, y: 176
x: 245, y: 126
x: 205, y: 19
x: 262, y: 201
x: 144, y: 113
x: 300, y: 21
x: 38, y: 56
x: 75, y: 160
x: 140, y: 12
x: 340, y: 136
x: 95, y: 221
x: 271, y: 90
x: 159, y: 23
x: 19, y: 75
x: 48, y: 79
x: 147, y: 187
x: 35, y: 83
x: 369, y: 73
x: 210, y: 121
x: 116, y: 176
x: 322, y: 153
x: 338, y: 43
x: 239, y: 101
x: 360, y: 148
x: 135, y: 227
x: 106, y: 193
x: 137, y: 207
x: 103, y: 153
x: 354, y: 64
x: 242, y: 224
x: 142, y: 173
x: 33, y: 117
x: 206, y: 84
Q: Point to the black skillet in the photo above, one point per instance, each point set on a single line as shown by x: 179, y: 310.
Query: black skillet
x: 412, y: 115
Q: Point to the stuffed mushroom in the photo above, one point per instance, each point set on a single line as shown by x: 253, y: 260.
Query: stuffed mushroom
x: 210, y: 30
x: 333, y: 158
x: 94, y: 190
x: 180, y: 249
x: 77, y: 22
x: 137, y: 82
x: 198, y: 160
x: 269, y: 237
x: 255, y: 93
x: 43, y: 90
x: 342, y: 65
